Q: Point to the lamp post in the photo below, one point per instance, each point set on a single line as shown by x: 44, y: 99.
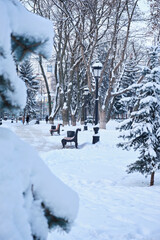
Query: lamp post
x: 85, y: 94
x: 96, y: 69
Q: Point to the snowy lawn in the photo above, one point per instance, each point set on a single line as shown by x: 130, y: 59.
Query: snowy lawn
x: 113, y: 204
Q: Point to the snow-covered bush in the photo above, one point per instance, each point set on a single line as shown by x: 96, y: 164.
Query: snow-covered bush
x: 32, y: 199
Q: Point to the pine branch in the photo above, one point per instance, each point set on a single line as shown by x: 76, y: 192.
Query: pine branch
x: 20, y: 42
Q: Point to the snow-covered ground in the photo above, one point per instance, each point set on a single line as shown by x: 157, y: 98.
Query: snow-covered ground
x: 113, y: 204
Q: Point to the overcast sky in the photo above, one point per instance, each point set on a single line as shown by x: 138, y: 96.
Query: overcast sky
x: 144, y: 6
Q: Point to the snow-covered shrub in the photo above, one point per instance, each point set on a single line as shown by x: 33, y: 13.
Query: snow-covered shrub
x: 32, y: 198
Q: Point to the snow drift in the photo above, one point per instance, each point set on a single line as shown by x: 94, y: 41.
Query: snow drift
x: 28, y: 190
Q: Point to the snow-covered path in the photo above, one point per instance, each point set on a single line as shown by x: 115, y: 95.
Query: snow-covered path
x: 36, y: 136
x: 113, y: 204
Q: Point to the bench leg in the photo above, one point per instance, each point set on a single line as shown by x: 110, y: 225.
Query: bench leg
x: 63, y: 143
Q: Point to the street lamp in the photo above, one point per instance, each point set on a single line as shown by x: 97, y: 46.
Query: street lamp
x: 85, y: 94
x: 96, y: 69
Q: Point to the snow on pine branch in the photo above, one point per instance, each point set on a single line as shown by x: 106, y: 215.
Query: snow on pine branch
x: 33, y: 199
x: 30, y: 32
x: 135, y: 85
x: 22, y: 33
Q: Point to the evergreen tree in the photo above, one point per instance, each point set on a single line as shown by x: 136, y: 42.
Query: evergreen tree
x: 142, y: 129
x: 124, y: 103
x: 129, y: 77
x: 32, y: 85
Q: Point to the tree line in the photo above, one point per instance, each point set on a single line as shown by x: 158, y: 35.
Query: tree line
x: 90, y: 30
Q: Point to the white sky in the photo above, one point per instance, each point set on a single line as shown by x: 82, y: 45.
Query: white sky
x: 144, y: 6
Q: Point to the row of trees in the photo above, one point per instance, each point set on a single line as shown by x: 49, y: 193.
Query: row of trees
x: 85, y: 31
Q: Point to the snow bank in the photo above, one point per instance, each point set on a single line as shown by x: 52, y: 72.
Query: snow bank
x: 26, y: 183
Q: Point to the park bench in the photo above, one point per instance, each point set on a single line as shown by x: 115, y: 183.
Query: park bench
x: 55, y: 129
x: 37, y: 121
x: 73, y: 138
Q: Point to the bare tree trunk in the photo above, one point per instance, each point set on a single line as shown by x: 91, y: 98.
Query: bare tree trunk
x: 82, y: 115
x: 51, y: 120
x: 65, y: 116
x: 152, y: 179
x: 108, y: 116
x: 47, y: 86
x: 102, y: 118
x: 109, y: 109
x: 73, y: 120
x: 55, y: 112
